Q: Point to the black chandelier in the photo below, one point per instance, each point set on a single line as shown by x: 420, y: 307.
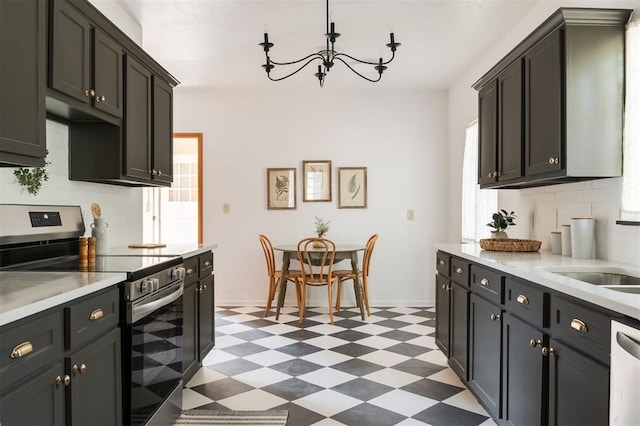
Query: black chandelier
x: 327, y: 57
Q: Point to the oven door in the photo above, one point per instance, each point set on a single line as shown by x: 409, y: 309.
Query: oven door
x: 152, y: 357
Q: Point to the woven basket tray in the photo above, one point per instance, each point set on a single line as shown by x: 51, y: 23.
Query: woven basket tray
x: 510, y: 244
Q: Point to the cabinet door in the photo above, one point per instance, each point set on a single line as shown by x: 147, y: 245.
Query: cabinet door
x: 39, y: 401
x: 137, y: 120
x: 488, y: 136
x: 206, y: 302
x: 162, y: 131
x: 523, y: 373
x: 442, y: 314
x: 23, y: 82
x: 94, y: 395
x: 544, y: 109
x: 459, y: 329
x: 107, y: 74
x: 485, y: 339
x: 510, y: 137
x: 190, y: 331
x: 578, y: 388
x: 70, y: 52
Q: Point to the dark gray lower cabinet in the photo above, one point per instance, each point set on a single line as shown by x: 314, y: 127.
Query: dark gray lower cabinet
x: 442, y: 314
x: 485, y: 342
x: 578, y: 388
x: 93, y: 396
x: 524, y: 373
x: 37, y: 401
x: 198, y: 302
x: 458, y: 328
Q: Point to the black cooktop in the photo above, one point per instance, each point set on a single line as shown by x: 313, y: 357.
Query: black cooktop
x: 135, y: 267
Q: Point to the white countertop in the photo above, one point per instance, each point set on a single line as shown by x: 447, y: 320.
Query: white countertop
x: 529, y: 266
x: 184, y: 250
x: 24, y: 293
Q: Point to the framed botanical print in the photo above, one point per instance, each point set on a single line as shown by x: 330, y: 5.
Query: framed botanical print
x: 281, y: 189
x: 352, y: 187
x: 316, y: 181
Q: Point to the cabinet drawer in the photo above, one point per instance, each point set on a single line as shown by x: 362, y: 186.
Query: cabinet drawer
x: 527, y: 302
x: 460, y: 271
x: 205, y: 264
x: 91, y: 317
x: 442, y: 263
x: 191, y: 270
x: 581, y: 327
x: 33, y: 343
x: 487, y: 283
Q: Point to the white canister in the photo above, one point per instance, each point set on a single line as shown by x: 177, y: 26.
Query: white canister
x: 556, y: 242
x: 565, y: 236
x: 582, y: 237
x: 99, y: 230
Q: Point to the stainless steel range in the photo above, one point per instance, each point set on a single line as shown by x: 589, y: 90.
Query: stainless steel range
x: 45, y: 238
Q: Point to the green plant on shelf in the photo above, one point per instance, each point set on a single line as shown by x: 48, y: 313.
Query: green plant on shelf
x: 32, y: 178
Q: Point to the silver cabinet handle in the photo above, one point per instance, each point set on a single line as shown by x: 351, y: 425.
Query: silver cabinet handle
x: 548, y: 351
x: 96, y: 314
x: 65, y: 380
x: 578, y: 325
x: 533, y: 343
x: 459, y: 270
x: 441, y: 262
x: 522, y: 299
x: 207, y: 263
x: 484, y: 282
x: 495, y: 317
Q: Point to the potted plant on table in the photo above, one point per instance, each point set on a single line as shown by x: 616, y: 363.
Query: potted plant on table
x: 322, y: 227
x: 501, y: 221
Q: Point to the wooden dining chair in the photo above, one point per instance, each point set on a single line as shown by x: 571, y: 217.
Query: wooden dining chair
x: 273, y: 274
x: 316, y: 256
x: 363, y: 274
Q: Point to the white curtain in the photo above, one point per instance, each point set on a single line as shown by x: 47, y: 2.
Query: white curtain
x: 478, y: 205
x: 631, y: 167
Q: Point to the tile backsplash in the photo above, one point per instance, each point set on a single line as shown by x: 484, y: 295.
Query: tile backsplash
x: 549, y: 207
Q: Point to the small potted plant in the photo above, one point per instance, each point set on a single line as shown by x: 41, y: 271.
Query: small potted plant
x: 501, y: 221
x: 322, y: 227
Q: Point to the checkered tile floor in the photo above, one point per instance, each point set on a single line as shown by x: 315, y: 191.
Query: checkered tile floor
x: 383, y: 371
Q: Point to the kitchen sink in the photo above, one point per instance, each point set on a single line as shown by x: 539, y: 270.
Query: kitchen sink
x: 618, y: 279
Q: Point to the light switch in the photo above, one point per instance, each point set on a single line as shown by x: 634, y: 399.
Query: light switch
x: 225, y: 208
x: 410, y: 214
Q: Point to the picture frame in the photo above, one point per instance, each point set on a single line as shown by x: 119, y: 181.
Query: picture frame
x: 316, y: 181
x: 281, y: 189
x: 352, y: 187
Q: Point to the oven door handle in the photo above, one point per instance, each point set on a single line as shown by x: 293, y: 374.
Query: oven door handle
x: 140, y: 311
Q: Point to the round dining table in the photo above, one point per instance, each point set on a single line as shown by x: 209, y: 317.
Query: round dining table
x: 343, y: 252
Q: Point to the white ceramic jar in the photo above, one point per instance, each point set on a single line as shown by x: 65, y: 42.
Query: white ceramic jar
x: 582, y: 237
x: 99, y: 231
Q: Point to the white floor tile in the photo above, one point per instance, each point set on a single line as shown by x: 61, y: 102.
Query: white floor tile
x: 466, y: 401
x: 261, y: 377
x: 403, y: 310
x: 240, y: 318
x: 191, y: 399
x: 447, y: 376
x: 327, y: 377
x: 328, y: 422
x: 327, y: 402
x: 326, y: 328
x: 434, y: 357
x: 326, y: 342
x: 412, y: 422
x: 371, y: 329
x: 326, y: 358
x: 268, y: 358
x: 403, y: 402
x: 424, y: 341
x: 377, y: 342
x: 232, y: 328
x: 413, y: 319
x: 205, y: 375
x: 224, y: 341
x: 390, y: 377
x: 273, y: 342
x: 217, y: 356
x: 418, y: 329
x: 384, y: 358
x: 279, y: 328
x: 253, y: 400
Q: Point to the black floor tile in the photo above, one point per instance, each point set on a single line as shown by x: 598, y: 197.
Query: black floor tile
x: 370, y: 415
x: 292, y: 389
x: 363, y: 389
x: 296, y: 367
x: 447, y: 415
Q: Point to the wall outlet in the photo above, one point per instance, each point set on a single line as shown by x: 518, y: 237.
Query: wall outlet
x: 225, y: 208
x: 410, y: 215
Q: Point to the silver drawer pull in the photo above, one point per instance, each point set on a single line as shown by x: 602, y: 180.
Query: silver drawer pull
x: 522, y: 299
x: 96, y: 315
x: 576, y: 324
x: 189, y: 271
x: 459, y: 270
x: 207, y: 263
x: 21, y: 350
x: 441, y: 262
x: 484, y: 282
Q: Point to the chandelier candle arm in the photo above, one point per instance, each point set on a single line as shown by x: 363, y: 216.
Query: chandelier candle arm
x: 328, y: 56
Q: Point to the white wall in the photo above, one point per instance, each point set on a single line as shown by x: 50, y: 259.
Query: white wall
x: 599, y: 199
x: 401, y: 137
x: 120, y: 205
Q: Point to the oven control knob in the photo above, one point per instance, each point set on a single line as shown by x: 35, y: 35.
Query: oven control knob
x: 156, y: 284
x: 178, y: 273
x: 146, y: 286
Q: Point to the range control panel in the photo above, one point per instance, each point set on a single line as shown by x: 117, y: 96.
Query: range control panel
x: 39, y: 219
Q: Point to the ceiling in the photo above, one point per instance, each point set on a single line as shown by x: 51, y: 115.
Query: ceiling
x: 214, y: 43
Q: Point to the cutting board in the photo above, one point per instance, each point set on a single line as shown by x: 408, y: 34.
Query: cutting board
x: 147, y: 245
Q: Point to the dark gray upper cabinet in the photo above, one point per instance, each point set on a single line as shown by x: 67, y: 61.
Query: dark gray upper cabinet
x: 547, y: 92
x: 23, y: 39
x: 137, y: 125
x: 162, y: 131
x: 86, y: 64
